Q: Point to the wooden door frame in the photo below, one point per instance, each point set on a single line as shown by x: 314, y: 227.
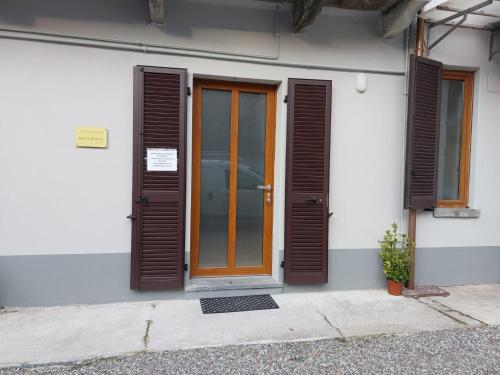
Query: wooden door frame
x: 235, y: 88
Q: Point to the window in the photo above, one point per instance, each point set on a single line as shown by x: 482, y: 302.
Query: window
x: 454, y: 138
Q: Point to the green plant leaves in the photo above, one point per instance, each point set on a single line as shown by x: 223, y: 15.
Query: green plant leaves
x: 395, y: 255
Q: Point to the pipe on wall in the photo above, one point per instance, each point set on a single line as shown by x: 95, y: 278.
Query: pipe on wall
x: 412, y: 212
x: 144, y: 47
x: 407, y: 39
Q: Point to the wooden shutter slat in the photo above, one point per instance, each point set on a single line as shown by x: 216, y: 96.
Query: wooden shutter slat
x: 307, y: 177
x: 422, y: 140
x: 158, y: 228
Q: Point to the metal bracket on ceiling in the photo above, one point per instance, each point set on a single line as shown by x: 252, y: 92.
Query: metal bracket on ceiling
x: 448, y: 32
x: 495, y: 35
x: 454, y: 26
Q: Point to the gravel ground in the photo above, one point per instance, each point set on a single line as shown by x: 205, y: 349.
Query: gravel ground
x: 465, y: 351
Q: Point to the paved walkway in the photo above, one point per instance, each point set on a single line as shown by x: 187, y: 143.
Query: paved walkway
x: 69, y: 333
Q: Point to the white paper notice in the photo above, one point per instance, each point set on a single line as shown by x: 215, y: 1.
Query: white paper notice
x: 162, y: 159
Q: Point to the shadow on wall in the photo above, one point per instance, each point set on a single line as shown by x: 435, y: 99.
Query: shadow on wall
x: 181, y: 16
x: 187, y: 15
x: 25, y: 12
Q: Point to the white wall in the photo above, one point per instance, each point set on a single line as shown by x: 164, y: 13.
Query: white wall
x: 58, y: 199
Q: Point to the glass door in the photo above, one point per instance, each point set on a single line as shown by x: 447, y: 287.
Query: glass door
x: 232, y: 178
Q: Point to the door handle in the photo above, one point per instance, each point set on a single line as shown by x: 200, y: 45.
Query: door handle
x: 131, y: 217
x: 266, y: 188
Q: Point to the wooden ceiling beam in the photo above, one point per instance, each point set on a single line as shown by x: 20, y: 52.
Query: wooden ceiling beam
x: 369, y: 5
x: 304, y: 13
x: 156, y: 11
x: 397, y: 15
x: 397, y: 18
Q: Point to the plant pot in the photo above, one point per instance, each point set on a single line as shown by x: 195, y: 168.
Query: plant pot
x: 394, y: 288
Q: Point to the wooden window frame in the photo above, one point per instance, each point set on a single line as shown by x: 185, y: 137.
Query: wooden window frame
x: 465, y: 142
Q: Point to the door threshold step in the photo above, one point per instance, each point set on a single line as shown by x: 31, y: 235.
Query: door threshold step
x: 231, y: 286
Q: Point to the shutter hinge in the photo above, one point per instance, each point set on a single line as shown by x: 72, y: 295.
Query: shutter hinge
x: 286, y: 99
x: 189, y: 91
x: 282, y: 264
x: 185, y: 267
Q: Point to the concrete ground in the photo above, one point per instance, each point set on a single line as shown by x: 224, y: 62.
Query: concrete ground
x: 79, y: 332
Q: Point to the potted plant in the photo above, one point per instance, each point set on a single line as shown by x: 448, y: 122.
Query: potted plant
x: 396, y: 260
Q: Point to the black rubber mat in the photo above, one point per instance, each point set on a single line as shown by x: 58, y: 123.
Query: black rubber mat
x: 240, y: 303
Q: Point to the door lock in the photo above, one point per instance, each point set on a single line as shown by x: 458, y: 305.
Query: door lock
x: 268, y: 198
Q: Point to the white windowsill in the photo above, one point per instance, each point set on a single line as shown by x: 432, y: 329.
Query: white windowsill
x: 461, y: 213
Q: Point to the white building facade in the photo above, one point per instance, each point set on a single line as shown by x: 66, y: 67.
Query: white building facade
x: 64, y: 232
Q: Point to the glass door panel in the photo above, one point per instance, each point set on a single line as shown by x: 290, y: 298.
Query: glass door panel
x: 452, y: 107
x: 214, y: 191
x: 251, y: 163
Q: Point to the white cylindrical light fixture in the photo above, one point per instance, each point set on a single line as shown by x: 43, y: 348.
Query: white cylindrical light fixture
x: 361, y: 82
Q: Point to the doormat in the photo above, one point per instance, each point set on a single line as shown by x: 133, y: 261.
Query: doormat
x: 240, y: 303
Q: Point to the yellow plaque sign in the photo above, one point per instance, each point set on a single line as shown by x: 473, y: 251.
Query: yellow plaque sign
x: 91, y: 137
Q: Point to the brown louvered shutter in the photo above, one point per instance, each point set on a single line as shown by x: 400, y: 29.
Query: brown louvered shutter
x: 158, y: 196
x: 307, y: 181
x: 422, y: 139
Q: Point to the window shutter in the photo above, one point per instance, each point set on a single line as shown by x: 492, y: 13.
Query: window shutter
x: 422, y: 140
x: 158, y: 196
x: 307, y: 181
